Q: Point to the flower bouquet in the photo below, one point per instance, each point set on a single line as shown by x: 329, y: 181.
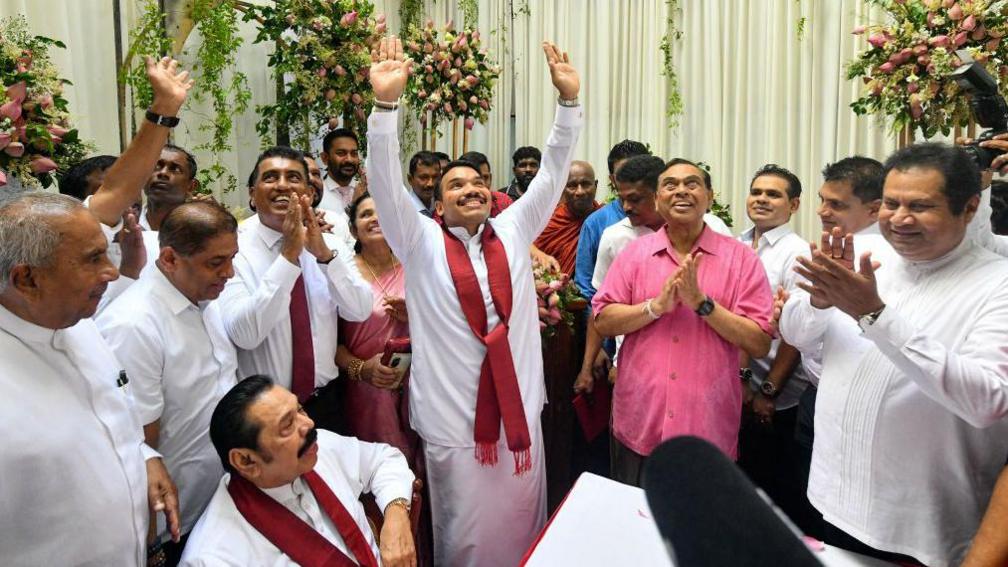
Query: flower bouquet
x: 324, y: 53
x: 558, y: 299
x: 36, y: 140
x: 905, y: 68
x: 453, y: 76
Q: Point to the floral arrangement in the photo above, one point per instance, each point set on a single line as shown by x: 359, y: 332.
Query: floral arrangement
x: 36, y: 139
x: 557, y: 297
x: 324, y: 53
x: 453, y: 76
x: 905, y: 68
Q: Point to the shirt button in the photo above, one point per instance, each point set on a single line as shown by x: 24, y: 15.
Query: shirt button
x: 672, y: 376
x: 670, y: 414
x: 675, y: 339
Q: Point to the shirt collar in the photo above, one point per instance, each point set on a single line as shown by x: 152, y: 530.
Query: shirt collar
x: 462, y: 234
x: 416, y: 200
x: 931, y: 266
x: 771, y: 236
x: 707, y: 243
x: 160, y: 284
x: 269, y: 236
x: 25, y: 330
x: 287, y: 494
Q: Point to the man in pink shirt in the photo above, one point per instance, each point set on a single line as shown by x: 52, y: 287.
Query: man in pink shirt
x: 688, y: 300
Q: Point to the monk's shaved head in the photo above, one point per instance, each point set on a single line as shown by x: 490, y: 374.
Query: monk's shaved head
x: 579, y: 194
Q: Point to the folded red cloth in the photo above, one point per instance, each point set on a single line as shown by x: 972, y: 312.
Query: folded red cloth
x: 593, y: 410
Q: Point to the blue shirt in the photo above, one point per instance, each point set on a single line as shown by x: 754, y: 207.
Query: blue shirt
x: 588, y: 243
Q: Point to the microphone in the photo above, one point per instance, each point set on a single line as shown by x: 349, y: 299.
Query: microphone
x: 711, y: 514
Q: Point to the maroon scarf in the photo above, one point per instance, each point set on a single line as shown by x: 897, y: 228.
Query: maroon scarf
x: 498, y: 397
x: 292, y: 535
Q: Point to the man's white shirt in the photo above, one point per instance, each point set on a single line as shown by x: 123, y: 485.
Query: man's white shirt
x: 335, y: 200
x: 348, y: 466
x: 73, y: 479
x: 910, y: 428
x: 256, y: 304
x: 180, y: 363
x: 447, y: 356
x: 777, y: 250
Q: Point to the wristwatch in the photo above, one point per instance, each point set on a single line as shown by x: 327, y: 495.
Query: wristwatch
x: 868, y: 319
x: 745, y: 375
x: 568, y: 103
x: 160, y: 120
x: 706, y: 308
x: 768, y: 389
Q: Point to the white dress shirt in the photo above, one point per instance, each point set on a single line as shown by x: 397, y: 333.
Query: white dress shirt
x: 777, y: 250
x: 335, y: 200
x: 716, y: 224
x: 73, y: 483
x: 446, y: 355
x: 256, y: 304
x: 348, y: 466
x: 980, y: 229
x: 910, y: 428
x: 180, y: 363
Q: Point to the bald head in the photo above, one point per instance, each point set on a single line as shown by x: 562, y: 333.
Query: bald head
x: 190, y: 226
x: 579, y: 193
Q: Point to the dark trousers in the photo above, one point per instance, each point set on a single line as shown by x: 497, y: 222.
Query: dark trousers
x: 767, y: 455
x: 626, y: 465
x: 839, y: 538
x: 167, y: 554
x: 325, y: 407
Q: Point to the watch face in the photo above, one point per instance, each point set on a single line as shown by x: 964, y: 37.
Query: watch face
x: 768, y: 388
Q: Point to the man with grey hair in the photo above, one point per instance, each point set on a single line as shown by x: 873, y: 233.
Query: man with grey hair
x: 77, y: 476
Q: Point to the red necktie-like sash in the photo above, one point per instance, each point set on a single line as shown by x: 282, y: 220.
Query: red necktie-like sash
x: 292, y: 535
x: 302, y: 349
x: 498, y: 397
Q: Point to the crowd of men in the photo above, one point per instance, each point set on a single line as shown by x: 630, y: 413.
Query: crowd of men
x: 172, y: 375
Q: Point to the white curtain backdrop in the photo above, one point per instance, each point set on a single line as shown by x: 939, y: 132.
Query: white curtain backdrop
x: 754, y: 93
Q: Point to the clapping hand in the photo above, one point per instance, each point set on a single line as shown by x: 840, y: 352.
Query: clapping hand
x: 563, y: 74
x: 389, y: 70
x: 134, y: 253
x: 780, y: 299
x: 686, y: 282
x: 832, y: 281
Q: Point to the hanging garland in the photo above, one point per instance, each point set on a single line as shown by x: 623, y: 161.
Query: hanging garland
x: 453, y: 76
x: 324, y: 54
x: 214, y: 70
x: 673, y: 103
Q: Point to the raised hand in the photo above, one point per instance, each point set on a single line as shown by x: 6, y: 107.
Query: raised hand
x: 780, y: 299
x: 687, y: 284
x: 134, y: 254
x: 564, y: 75
x: 389, y: 70
x: 170, y: 86
x: 829, y: 281
x: 669, y: 296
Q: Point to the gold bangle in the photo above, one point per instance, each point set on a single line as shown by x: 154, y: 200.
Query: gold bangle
x: 397, y: 502
x: 354, y: 369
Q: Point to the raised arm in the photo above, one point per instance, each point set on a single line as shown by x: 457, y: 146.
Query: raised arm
x: 533, y: 210
x: 402, y: 224
x: 125, y: 179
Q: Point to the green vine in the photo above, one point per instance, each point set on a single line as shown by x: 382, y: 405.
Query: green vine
x: 216, y: 57
x: 674, y: 103
x: 470, y: 13
x: 410, y: 16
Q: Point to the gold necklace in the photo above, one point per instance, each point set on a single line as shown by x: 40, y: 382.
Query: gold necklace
x: 375, y: 276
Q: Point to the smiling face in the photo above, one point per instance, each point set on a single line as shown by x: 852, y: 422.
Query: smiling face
x: 365, y: 228
x: 682, y: 195
x: 915, y: 216
x: 171, y: 182
x: 279, y: 181
x: 840, y: 207
x: 465, y: 198
x: 69, y: 288
x: 768, y: 205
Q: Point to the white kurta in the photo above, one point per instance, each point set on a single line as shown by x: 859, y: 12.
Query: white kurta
x: 348, y: 466
x: 73, y: 483
x: 180, y: 363
x: 777, y: 250
x: 256, y: 304
x: 910, y: 428
x: 447, y: 356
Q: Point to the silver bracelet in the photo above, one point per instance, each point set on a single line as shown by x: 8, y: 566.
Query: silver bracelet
x: 386, y: 105
x: 650, y: 312
x: 568, y: 103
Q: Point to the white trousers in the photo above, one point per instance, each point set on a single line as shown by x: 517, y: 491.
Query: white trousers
x: 485, y: 516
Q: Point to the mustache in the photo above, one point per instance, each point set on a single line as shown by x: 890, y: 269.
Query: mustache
x: 309, y: 441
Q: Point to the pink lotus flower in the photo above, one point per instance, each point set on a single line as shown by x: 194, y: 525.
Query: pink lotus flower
x: 339, y: 70
x: 469, y: 123
x: 5, y: 138
x: 930, y: 19
x: 875, y: 87
x: 969, y: 24
x: 330, y: 94
x: 42, y: 164
x: 348, y: 19
x: 333, y: 123
x: 380, y: 19
x: 3, y: 181
x: 458, y: 61
x: 380, y: 28
x: 15, y: 149
x: 58, y: 131
x: 448, y: 108
x: 992, y: 44
x: 960, y: 39
x: 931, y: 71
x: 554, y: 314
x: 46, y: 101
x: 422, y: 94
x: 17, y: 92
x: 484, y: 105
x: 947, y: 3
x: 920, y: 49
x: 449, y: 25
x: 916, y: 110
x: 356, y: 98
x: 923, y: 60
x: 859, y: 30
x: 463, y: 106
x: 359, y: 113
x: 912, y: 87
x: 463, y: 42
x: 979, y: 33
x: 429, y: 24
x: 11, y: 110
x: 878, y: 40
x: 321, y: 72
x: 939, y: 41
x: 475, y: 36
x: 412, y: 46
x: 886, y: 67
x: 431, y: 106
x: 473, y: 100
x: 955, y: 12
x: 472, y: 80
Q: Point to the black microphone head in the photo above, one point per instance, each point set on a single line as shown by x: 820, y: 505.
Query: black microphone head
x: 711, y: 514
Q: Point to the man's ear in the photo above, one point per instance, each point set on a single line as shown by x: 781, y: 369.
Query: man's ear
x: 23, y: 279
x: 245, y: 462
x: 325, y: 158
x: 193, y: 186
x: 971, y: 207
x: 169, y: 259
x: 874, y: 207
x: 795, y: 203
x: 438, y: 208
x: 252, y: 199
